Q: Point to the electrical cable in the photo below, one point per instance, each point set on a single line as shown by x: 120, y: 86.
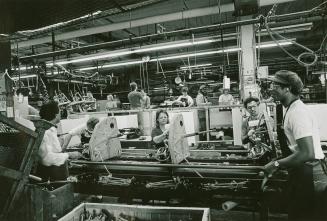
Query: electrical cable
x: 147, y: 76
x: 271, y: 33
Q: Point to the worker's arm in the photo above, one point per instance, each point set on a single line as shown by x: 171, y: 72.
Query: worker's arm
x: 67, y: 139
x: 304, y: 153
x: 160, y: 138
x: 191, y: 102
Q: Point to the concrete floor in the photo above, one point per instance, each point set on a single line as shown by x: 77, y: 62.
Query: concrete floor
x: 220, y: 215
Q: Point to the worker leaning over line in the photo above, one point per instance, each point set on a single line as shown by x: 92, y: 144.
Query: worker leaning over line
x: 84, y: 132
x: 306, y: 164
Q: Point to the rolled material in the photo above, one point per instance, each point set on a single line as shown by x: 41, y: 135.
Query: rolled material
x: 228, y: 205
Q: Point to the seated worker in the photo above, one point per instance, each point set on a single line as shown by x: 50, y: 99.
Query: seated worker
x: 159, y: 134
x: 52, y: 161
x: 185, y: 99
x: 226, y: 98
x: 84, y: 132
x: 111, y: 104
x: 89, y: 96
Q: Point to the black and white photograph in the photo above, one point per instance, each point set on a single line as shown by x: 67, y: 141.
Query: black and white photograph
x: 163, y: 110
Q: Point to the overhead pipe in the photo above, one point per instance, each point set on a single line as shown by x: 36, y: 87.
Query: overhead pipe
x: 283, y: 19
x: 143, y: 21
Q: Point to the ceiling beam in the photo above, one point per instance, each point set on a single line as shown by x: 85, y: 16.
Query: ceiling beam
x: 143, y: 21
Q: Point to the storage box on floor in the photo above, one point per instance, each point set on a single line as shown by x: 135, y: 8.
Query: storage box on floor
x: 40, y: 204
x: 98, y: 211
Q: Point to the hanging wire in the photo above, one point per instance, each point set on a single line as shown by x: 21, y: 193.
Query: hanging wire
x: 271, y: 33
x: 141, y: 74
x: 147, y: 76
x: 221, y: 35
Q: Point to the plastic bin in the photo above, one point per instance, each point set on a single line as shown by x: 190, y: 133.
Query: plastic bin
x: 141, y: 213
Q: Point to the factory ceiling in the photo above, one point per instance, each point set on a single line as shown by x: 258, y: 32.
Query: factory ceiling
x: 156, y: 36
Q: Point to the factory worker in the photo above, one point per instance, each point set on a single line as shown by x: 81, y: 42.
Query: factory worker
x: 251, y: 104
x: 135, y: 97
x: 111, y: 104
x: 226, y: 98
x: 159, y: 134
x: 185, y: 99
x: 305, y: 163
x: 145, y: 102
x: 200, y: 98
x: 52, y: 161
x: 84, y: 132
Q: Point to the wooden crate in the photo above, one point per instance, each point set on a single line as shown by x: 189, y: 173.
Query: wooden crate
x: 39, y: 204
x: 144, y: 213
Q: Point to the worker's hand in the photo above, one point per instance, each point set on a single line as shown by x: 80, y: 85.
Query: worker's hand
x: 270, y: 169
x: 165, y: 133
x: 251, y: 132
x: 75, y: 155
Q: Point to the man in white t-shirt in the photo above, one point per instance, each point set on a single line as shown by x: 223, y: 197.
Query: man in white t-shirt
x: 84, y: 132
x: 307, y: 180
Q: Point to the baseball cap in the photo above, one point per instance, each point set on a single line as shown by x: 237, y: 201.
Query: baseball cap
x: 288, y: 78
x: 202, y: 87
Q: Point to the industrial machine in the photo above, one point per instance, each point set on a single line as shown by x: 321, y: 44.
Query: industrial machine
x: 225, y: 175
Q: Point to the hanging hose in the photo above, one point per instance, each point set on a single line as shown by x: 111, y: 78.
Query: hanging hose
x: 308, y: 52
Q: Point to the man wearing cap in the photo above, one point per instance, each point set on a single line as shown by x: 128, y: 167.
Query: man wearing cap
x: 307, y: 180
x: 200, y: 98
x: 226, y: 98
x: 135, y: 97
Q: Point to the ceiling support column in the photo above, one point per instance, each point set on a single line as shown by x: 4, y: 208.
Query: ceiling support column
x: 247, y: 61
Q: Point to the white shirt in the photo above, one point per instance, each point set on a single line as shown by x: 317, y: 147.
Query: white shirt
x: 78, y: 130
x: 50, y: 152
x: 226, y: 99
x: 188, y: 98
x: 201, y: 99
x: 299, y: 122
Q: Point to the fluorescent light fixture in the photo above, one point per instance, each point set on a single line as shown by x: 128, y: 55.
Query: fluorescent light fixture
x: 23, y: 68
x: 96, y: 57
x: 25, y: 76
x: 227, y: 50
x: 33, y: 76
x: 291, y: 28
x: 136, y: 50
x: 270, y: 45
x: 195, y: 66
x: 111, y: 65
x: 196, y: 54
x: 168, y: 46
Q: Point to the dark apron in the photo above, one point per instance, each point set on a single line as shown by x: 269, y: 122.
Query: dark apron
x: 52, y: 173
